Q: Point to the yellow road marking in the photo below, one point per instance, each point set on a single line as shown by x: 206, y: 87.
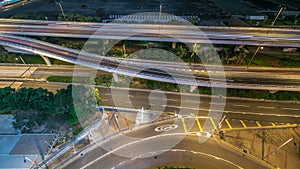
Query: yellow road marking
x: 244, y: 125
x: 213, y: 123
x: 199, y: 126
x: 258, y: 124
x: 228, y: 124
x: 262, y: 127
x: 184, y: 126
x: 273, y: 124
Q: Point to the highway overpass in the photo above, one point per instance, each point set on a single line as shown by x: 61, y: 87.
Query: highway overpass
x: 134, y: 68
x: 154, y: 32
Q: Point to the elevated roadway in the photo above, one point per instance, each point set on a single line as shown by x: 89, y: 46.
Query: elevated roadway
x: 150, y: 70
x: 155, y: 32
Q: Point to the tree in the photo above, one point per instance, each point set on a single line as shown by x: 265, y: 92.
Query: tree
x: 181, y: 51
x: 6, y: 99
x: 195, y: 50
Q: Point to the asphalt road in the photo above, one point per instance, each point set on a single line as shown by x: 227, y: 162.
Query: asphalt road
x: 158, y: 149
x: 235, y: 108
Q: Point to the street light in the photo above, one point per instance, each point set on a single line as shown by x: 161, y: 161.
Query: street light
x: 275, y: 150
x: 258, y: 48
x: 28, y: 68
x: 279, y: 12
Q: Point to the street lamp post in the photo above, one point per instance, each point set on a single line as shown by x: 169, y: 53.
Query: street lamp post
x: 258, y: 48
x: 279, y: 12
x: 275, y: 150
x: 22, y: 60
x: 62, y: 10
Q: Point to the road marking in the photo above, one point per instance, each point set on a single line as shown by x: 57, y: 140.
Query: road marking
x: 213, y: 123
x: 263, y: 127
x: 240, y: 105
x: 258, y: 124
x: 287, y: 108
x: 273, y: 124
x: 265, y: 107
x: 184, y: 126
x: 222, y: 104
x: 199, y: 126
x: 228, y: 124
x: 192, y: 101
x: 244, y: 125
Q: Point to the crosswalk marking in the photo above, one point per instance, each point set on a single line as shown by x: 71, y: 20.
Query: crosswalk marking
x: 184, y: 126
x: 228, y: 124
x: 198, y: 123
x: 258, y: 124
x: 244, y: 125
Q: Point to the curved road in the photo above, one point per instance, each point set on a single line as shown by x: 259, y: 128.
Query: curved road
x: 133, y: 68
x: 152, y: 146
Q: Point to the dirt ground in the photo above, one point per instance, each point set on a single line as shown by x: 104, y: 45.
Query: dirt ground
x: 287, y: 157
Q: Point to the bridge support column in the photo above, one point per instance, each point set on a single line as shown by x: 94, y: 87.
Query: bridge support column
x: 46, y: 59
x: 115, y: 76
x: 174, y: 45
x: 192, y: 88
x: 124, y: 48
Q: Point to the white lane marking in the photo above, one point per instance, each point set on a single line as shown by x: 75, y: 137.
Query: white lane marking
x: 172, y: 99
x: 265, y: 107
x: 192, y: 101
x: 287, y: 108
x: 217, y: 104
x: 240, y: 105
x: 236, y: 112
x: 155, y: 98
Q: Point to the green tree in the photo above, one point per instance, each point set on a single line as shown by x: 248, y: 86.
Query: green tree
x: 195, y: 50
x: 6, y: 99
x: 181, y: 51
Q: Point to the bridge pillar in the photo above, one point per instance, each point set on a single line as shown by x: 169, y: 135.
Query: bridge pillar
x: 192, y: 88
x: 174, y: 45
x: 46, y: 59
x: 116, y: 78
x: 124, y: 48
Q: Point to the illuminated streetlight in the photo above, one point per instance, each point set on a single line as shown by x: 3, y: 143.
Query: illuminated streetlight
x: 258, y: 48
